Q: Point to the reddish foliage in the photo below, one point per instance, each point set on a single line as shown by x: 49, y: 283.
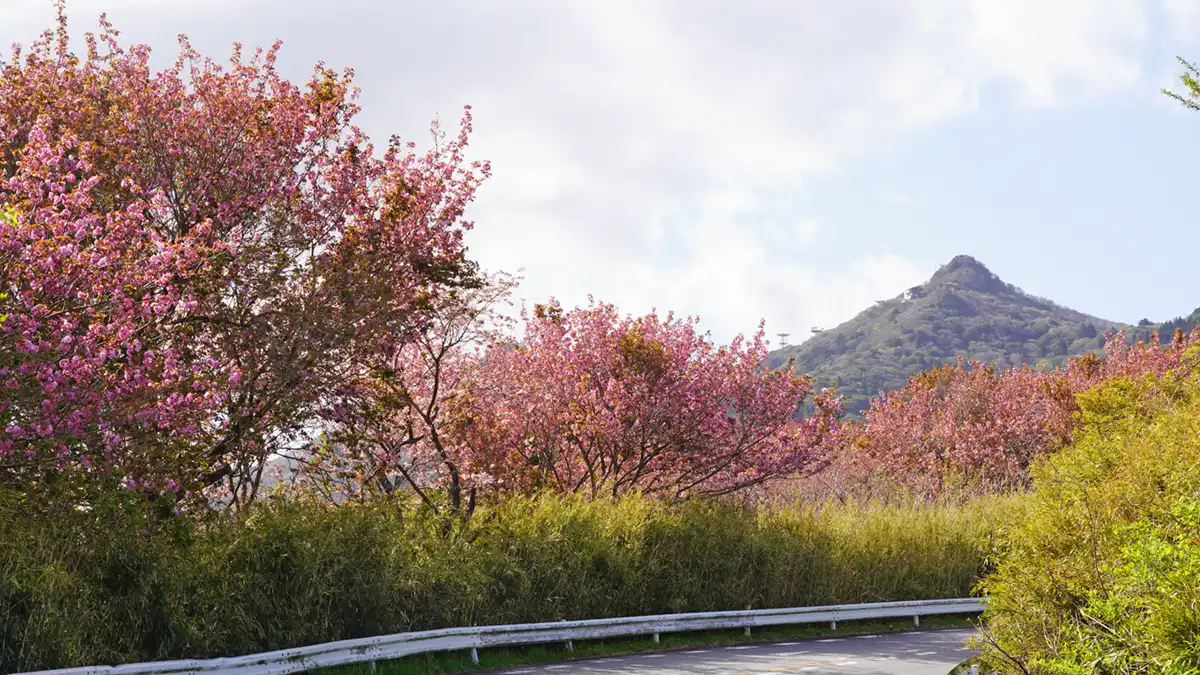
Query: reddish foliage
x: 596, y: 402
x: 969, y: 421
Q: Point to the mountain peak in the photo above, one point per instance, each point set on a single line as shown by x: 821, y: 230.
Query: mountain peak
x: 963, y: 261
x: 963, y: 310
x: 967, y: 273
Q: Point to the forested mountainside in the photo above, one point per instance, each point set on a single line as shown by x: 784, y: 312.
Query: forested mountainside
x: 963, y: 310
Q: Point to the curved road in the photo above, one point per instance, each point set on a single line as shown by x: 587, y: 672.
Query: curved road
x: 932, y: 652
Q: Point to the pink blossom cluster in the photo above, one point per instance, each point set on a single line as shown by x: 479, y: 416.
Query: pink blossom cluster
x: 86, y: 373
x: 970, y: 421
x: 198, y: 263
x: 592, y: 401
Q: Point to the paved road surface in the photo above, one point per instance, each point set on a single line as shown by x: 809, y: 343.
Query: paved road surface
x: 932, y: 652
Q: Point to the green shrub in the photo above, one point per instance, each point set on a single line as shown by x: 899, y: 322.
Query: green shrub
x: 1101, y: 574
x: 129, y: 582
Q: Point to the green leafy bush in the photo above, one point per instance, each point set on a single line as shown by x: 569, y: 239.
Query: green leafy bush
x: 1101, y: 573
x: 128, y: 581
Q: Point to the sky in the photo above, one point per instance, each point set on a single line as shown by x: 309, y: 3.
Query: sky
x: 788, y: 161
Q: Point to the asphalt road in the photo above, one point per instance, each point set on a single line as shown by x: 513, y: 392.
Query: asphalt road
x: 932, y: 652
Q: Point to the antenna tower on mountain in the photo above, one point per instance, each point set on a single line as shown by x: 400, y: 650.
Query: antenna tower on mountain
x: 783, y: 339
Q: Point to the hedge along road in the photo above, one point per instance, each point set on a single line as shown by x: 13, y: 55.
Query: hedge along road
x: 932, y: 652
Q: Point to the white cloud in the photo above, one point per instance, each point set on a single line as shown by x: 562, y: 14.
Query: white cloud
x: 806, y: 230
x: 898, y: 197
x: 1050, y: 53
x: 644, y: 151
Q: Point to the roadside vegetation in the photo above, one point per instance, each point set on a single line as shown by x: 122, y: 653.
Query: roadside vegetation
x: 1102, y: 574
x: 123, y: 583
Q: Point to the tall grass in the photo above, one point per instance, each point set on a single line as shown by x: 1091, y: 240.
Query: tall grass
x: 127, y: 583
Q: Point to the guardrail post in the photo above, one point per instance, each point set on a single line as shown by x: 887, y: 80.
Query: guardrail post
x: 656, y: 638
x: 371, y: 665
x: 974, y: 669
x: 833, y: 625
x: 570, y: 645
x: 746, y: 632
x: 916, y: 619
x: 474, y: 656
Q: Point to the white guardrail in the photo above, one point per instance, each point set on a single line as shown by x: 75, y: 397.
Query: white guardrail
x: 369, y: 650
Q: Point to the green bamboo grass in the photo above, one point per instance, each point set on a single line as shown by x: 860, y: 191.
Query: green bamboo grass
x: 115, y: 584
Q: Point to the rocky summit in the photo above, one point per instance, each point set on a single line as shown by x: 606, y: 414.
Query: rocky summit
x: 963, y: 310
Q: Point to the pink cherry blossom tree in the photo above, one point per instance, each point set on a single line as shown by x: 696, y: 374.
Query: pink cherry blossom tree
x: 592, y: 401
x: 202, y: 262
x: 971, y: 421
